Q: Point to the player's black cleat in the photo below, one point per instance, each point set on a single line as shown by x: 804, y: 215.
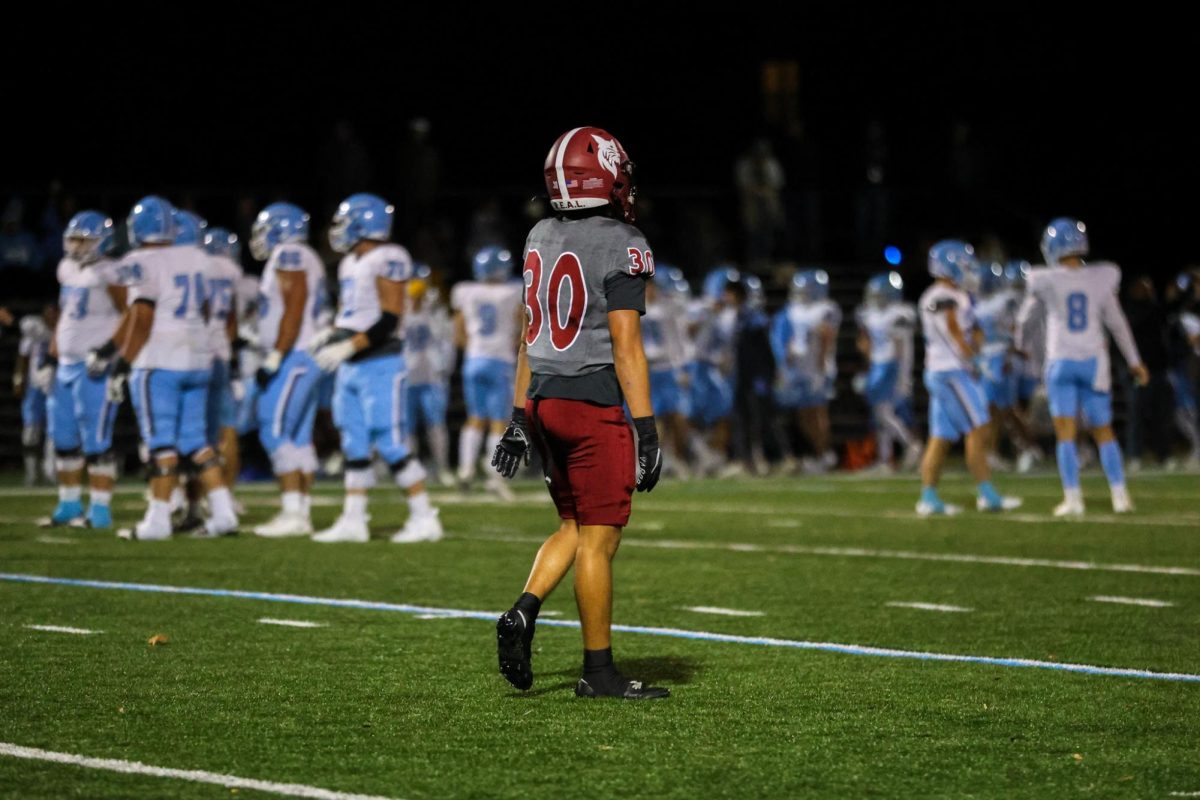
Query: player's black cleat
x: 626, y: 690
x: 514, y: 643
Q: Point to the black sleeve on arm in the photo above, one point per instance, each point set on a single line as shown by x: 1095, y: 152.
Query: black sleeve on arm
x: 625, y: 292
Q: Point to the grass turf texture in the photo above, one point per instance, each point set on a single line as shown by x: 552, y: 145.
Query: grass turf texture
x: 385, y: 703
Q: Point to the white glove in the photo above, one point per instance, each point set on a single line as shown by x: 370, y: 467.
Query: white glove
x: 331, y: 355
x: 115, y: 388
x: 238, y: 389
x: 319, y: 339
x: 43, y: 378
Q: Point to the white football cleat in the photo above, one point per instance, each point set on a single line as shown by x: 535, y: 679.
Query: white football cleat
x: 1069, y: 507
x: 1028, y: 459
x: 345, y: 529
x: 1006, y: 504
x: 425, y: 528
x: 285, y: 524
x: 219, y: 526
x: 144, y: 531
x: 930, y: 510
x: 912, y: 457
x: 497, y: 485
x: 1122, y: 503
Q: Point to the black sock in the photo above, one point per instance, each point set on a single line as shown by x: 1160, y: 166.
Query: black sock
x: 598, y: 662
x: 529, y: 605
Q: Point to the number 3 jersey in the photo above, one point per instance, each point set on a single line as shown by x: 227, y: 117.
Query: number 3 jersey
x: 87, y: 316
x: 576, y: 272
x: 1079, y: 303
x: 175, y: 280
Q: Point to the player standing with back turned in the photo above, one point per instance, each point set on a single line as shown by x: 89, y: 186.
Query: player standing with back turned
x: 580, y: 356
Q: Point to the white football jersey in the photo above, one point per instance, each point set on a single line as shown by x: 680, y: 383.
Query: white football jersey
x: 175, y: 279
x: 714, y: 342
x: 295, y: 257
x: 35, y: 342
x: 663, y: 335
x: 87, y: 316
x: 887, y: 328
x: 806, y: 320
x: 358, y: 297
x: 942, y: 352
x: 490, y: 311
x: 428, y: 344
x: 224, y: 281
x: 996, y: 316
x: 1079, y: 304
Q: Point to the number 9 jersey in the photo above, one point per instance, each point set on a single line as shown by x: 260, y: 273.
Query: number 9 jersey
x: 576, y: 271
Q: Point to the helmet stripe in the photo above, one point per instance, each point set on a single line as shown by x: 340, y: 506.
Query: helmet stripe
x: 558, y: 162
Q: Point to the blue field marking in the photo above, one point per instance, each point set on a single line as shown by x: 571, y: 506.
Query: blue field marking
x: 674, y: 633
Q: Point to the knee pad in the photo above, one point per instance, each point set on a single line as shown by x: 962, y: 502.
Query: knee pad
x: 164, y: 463
x: 102, y: 465
x: 31, y: 435
x: 68, y: 460
x: 285, y: 458
x: 203, y: 459
x: 408, y: 472
x: 359, y: 474
x: 308, y: 458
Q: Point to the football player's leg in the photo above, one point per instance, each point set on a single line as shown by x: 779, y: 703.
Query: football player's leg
x: 68, y: 453
x: 1064, y: 406
x: 947, y: 424
x: 156, y: 398
x: 1185, y: 408
x: 97, y: 416
x: 433, y: 411
x: 470, y: 438
x: 33, y: 427
x: 202, y: 454
x: 358, y: 475
x: 287, y: 436
x: 385, y: 421
x: 1097, y: 413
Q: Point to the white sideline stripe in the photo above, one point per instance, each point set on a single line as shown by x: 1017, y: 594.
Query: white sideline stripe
x: 931, y: 607
x: 673, y: 633
x: 651, y: 526
x: 1185, y: 794
x: 61, y: 629
x: 56, y: 540
x: 863, y: 552
x: 783, y: 523
x: 1131, y: 601
x: 291, y: 623
x: 727, y: 612
x: 193, y: 775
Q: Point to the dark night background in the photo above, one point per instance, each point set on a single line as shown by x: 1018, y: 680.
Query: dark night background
x: 1055, y: 113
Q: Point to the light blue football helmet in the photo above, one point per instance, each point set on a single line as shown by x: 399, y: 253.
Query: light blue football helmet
x: 189, y: 228
x: 1062, y: 238
x: 884, y: 288
x: 151, y: 221
x: 988, y: 278
x: 717, y: 280
x: 221, y: 242
x: 492, y: 264
x: 809, y: 285
x: 278, y: 223
x: 952, y: 259
x: 756, y: 296
x: 1016, y: 274
x: 361, y: 217
x: 88, y: 236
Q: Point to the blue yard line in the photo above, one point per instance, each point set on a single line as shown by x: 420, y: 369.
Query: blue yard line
x: 675, y: 633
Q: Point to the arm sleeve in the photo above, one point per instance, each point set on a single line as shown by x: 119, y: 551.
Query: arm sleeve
x: 1118, y: 326
x: 625, y: 292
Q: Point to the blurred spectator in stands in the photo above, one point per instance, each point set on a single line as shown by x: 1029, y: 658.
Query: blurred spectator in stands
x: 760, y: 180
x: 347, y: 168
x: 60, y: 207
x: 802, y: 164
x: 1149, y: 424
x: 754, y: 376
x: 18, y: 247
x: 418, y: 177
x: 872, y: 205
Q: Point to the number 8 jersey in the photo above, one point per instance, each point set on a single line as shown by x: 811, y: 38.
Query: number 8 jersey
x: 1079, y: 303
x: 175, y: 279
x: 576, y: 271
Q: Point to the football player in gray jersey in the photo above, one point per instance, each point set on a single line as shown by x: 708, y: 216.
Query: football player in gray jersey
x: 579, y: 360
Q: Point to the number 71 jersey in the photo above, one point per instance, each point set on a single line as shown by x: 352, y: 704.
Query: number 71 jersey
x: 575, y: 272
x: 175, y: 280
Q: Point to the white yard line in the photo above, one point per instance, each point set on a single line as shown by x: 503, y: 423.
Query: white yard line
x: 1131, y: 601
x: 784, y: 523
x: 193, y: 775
x: 724, y: 612
x: 56, y: 540
x: 865, y: 552
x: 931, y: 607
x: 61, y: 629
x: 291, y: 623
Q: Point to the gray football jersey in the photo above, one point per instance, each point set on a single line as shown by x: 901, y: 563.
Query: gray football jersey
x: 571, y: 266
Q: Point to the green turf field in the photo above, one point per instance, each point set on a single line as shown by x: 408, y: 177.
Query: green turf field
x: 405, y: 702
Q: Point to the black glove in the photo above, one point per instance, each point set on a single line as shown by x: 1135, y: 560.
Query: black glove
x: 513, y: 446
x: 98, y: 359
x: 649, y: 462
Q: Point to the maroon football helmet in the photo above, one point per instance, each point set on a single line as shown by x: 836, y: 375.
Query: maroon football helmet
x: 588, y: 168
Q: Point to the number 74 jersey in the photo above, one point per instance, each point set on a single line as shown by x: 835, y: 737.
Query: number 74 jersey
x: 1079, y: 304
x: 575, y: 270
x: 175, y: 279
